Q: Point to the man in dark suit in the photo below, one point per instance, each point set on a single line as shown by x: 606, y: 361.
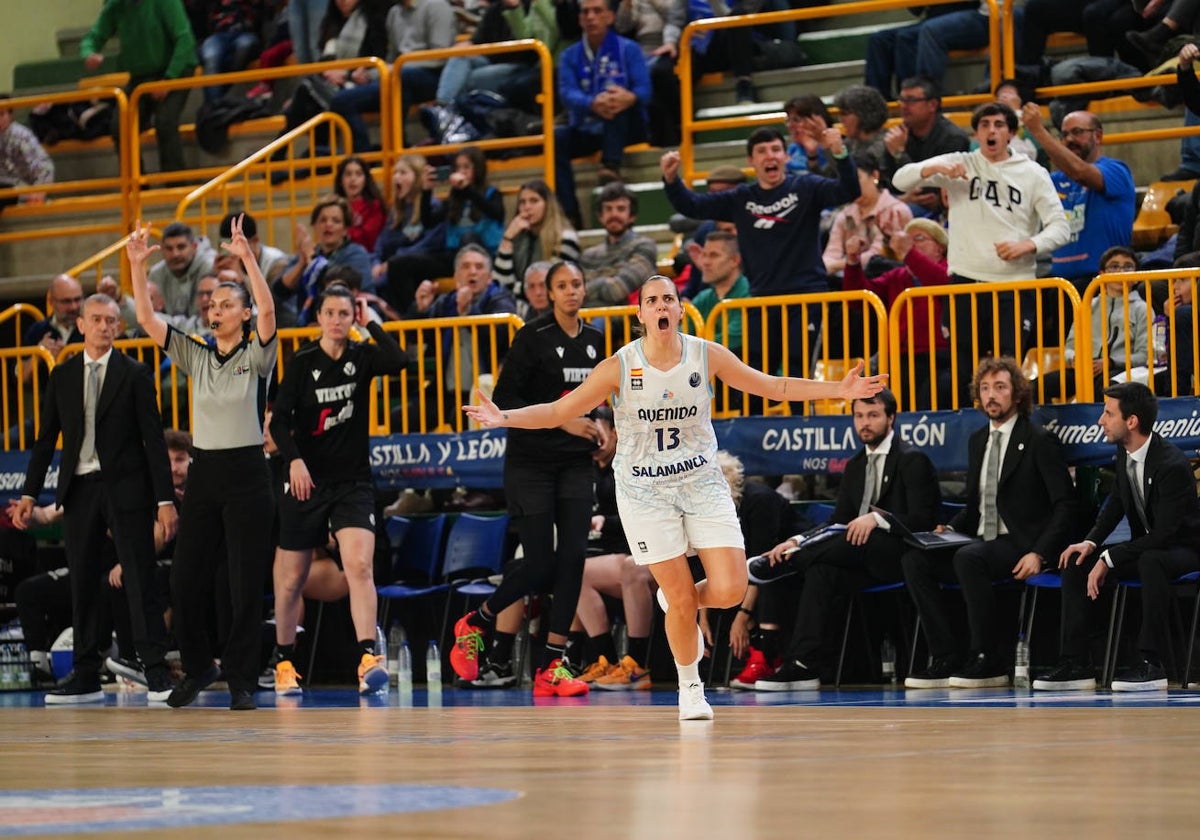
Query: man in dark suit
x: 1020, y: 504
x: 1164, y: 524
x: 114, y: 469
x: 886, y: 472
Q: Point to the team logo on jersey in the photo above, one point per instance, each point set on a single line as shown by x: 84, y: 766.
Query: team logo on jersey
x: 316, y: 375
x: 668, y: 394
x: 635, y: 379
x: 349, y: 368
x: 642, y: 547
x: 591, y: 351
x: 559, y: 351
x: 241, y: 370
x: 694, y: 380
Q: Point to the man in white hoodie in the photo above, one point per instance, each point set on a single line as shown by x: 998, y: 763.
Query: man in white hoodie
x: 1004, y: 212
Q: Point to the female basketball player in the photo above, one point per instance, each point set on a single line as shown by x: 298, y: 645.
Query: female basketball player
x: 670, y: 492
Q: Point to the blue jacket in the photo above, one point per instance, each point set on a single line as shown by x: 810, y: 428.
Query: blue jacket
x: 571, y: 79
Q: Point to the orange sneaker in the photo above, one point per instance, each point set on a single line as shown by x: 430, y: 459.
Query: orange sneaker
x: 556, y: 681
x: 626, y: 675
x: 372, y: 674
x: 468, y: 645
x: 286, y: 679
x: 596, y: 670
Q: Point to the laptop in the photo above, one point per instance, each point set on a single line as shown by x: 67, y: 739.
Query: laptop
x: 924, y: 539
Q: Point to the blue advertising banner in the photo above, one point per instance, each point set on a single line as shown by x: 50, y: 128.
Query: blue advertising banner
x: 766, y: 445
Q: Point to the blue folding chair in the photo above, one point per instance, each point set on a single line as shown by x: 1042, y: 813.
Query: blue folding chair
x: 1116, y: 623
x: 475, y: 552
x: 416, y: 549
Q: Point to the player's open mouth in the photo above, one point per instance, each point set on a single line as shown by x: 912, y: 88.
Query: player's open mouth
x: 664, y: 323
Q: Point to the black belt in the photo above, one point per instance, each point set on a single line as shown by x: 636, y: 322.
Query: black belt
x: 92, y: 476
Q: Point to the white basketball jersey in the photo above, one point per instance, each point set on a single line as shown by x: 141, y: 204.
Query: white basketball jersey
x: 664, y: 418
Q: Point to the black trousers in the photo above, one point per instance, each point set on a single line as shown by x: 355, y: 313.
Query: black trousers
x: 835, y: 568
x: 228, y: 500
x: 1011, y: 339
x: 1155, y: 568
x: 89, y: 511
x: 542, y: 497
x: 975, y: 567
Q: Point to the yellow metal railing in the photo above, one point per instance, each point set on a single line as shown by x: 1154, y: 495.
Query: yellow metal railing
x: 860, y: 316
x: 245, y: 185
x: 1157, y: 286
x: 545, y: 98
x: 95, y: 264
x: 974, y: 296
x: 690, y: 126
x: 173, y: 389
x: 23, y: 375
x: 620, y: 325
x: 19, y: 313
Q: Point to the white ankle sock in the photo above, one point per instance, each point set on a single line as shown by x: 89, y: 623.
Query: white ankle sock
x: 688, y: 673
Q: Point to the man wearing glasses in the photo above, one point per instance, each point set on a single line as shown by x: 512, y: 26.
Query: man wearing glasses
x: 1096, y: 191
x: 923, y: 133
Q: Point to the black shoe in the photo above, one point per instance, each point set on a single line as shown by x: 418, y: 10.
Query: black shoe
x: 499, y: 676
x: 937, y: 675
x: 127, y: 668
x: 241, y: 700
x: 74, y: 690
x: 158, y: 684
x: 1145, y: 676
x: 189, y: 687
x: 1150, y: 42
x: 1069, y: 675
x: 791, y: 676
x: 761, y: 571
x: 744, y: 92
x: 982, y: 670
x: 1181, y: 174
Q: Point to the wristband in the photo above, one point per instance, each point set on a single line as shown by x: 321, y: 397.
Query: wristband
x: 845, y: 154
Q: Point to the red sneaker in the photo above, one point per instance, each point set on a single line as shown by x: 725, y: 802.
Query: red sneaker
x: 556, y: 681
x: 756, y: 668
x: 468, y: 645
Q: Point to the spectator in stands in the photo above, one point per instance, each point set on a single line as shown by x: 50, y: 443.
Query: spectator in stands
x: 1189, y: 147
x: 475, y: 293
x: 535, y: 299
x: 1179, y: 19
x: 1097, y: 193
x: 186, y: 258
x: 1105, y: 23
x: 807, y: 119
x: 156, y: 43
x: 1178, y: 379
x: 687, y: 261
x: 895, y: 52
x: 22, y: 159
x: 233, y: 39
x: 888, y: 473
x: 298, y: 285
x: 60, y: 327
x: 350, y: 29
x: 515, y: 76
x: 474, y: 210
x: 410, y: 25
x: 1008, y: 91
x: 412, y: 246
x: 922, y: 249
x: 272, y: 262
x: 539, y: 231
x: 1004, y: 211
x: 605, y: 89
x: 875, y: 216
x: 1155, y: 491
x: 778, y: 224
x: 862, y: 112
x: 305, y: 21
x: 923, y: 133
x: 1120, y: 336
x: 1020, y: 506
x: 353, y: 181
x: 721, y: 262
x: 616, y: 267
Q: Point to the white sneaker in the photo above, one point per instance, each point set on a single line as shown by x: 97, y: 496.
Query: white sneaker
x: 692, y: 705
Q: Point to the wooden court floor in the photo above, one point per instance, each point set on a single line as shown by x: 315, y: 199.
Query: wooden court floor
x: 629, y: 769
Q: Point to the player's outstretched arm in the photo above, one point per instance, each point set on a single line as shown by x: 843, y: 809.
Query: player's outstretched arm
x: 601, y: 382
x: 733, y: 371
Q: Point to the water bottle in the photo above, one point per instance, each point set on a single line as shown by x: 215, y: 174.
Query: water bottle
x: 433, y: 666
x: 887, y: 658
x: 1021, y: 663
x: 395, y: 639
x: 1159, y: 337
x: 404, y: 668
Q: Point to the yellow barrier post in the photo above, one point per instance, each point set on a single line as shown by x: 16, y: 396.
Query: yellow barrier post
x: 21, y: 395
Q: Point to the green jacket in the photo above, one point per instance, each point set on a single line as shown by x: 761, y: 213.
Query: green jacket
x: 156, y: 37
x: 707, y: 301
x: 539, y: 22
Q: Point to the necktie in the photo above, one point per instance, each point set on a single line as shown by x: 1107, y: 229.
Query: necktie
x: 1135, y: 488
x: 870, y: 487
x: 87, y: 449
x: 991, y: 481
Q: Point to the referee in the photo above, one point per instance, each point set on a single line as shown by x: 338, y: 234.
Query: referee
x: 229, y: 500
